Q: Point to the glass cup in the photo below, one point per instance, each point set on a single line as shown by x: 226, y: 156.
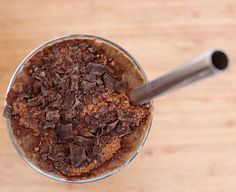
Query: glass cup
x: 123, y: 162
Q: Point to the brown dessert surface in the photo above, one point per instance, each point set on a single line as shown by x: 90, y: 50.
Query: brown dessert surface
x: 69, y: 108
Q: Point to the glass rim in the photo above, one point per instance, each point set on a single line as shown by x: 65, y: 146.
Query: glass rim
x: 9, y: 128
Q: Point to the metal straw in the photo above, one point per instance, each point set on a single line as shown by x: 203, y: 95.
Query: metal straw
x: 209, y: 63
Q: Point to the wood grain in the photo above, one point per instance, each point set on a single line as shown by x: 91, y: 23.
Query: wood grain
x: 192, y: 145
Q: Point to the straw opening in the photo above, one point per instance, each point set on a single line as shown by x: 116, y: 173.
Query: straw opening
x: 219, y: 60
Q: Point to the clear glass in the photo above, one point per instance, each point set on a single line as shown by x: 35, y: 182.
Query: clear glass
x: 13, y: 139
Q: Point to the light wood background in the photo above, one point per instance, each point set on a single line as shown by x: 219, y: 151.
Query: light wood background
x: 192, y: 144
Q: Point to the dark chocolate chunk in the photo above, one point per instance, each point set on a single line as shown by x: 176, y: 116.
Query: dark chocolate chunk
x: 108, y: 128
x: 7, y: 111
x: 123, y: 129
x: 48, y: 125
x: 88, y: 57
x: 92, y: 49
x: 58, y: 153
x: 62, y: 166
x: 133, y: 121
x: 56, y: 104
x: 108, y: 81
x: 120, y: 114
x: 34, y: 102
x: 68, y: 116
x: 102, y: 140
x: 98, y: 69
x: 91, y: 78
x: 65, y: 131
x: 83, y: 46
x: 83, y: 140
x: 69, y: 101
x: 77, y: 154
x: 77, y: 103
x: 74, y: 82
x: 52, y: 115
x: 87, y: 98
x: 95, y: 151
x: 119, y: 86
x: 112, y: 125
x: 104, y: 109
x: 87, y: 86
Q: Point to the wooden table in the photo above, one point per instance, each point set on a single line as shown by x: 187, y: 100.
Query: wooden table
x: 192, y: 144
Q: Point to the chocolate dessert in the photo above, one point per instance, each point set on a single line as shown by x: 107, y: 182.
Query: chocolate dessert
x: 69, y: 109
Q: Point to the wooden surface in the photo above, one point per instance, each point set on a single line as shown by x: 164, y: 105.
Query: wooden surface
x: 192, y: 144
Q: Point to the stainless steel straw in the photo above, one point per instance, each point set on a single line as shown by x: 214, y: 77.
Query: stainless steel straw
x: 209, y: 63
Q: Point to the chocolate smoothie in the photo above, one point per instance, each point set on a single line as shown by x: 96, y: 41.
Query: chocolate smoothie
x: 69, y: 110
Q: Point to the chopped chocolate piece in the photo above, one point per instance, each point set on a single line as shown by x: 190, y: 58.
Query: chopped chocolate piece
x: 120, y: 115
x: 108, y: 81
x: 87, y: 86
x: 91, y: 78
x: 68, y: 116
x: 34, y: 102
x: 48, y: 125
x: 133, y: 121
x: 87, y: 134
x: 65, y: 131
x: 74, y: 83
x: 92, y: 49
x: 62, y: 166
x: 102, y: 140
x: 98, y: 69
x: 112, y: 125
x: 109, y: 128
x: 88, y: 57
x: 56, y: 105
x: 123, y: 129
x: 83, y: 46
x: 77, y: 103
x: 7, y: 111
x: 83, y: 140
x: 69, y: 101
x: 88, y: 99
x: 52, y: 115
x: 58, y: 153
x: 119, y: 86
x: 77, y: 154
x: 104, y: 109
x: 95, y: 151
